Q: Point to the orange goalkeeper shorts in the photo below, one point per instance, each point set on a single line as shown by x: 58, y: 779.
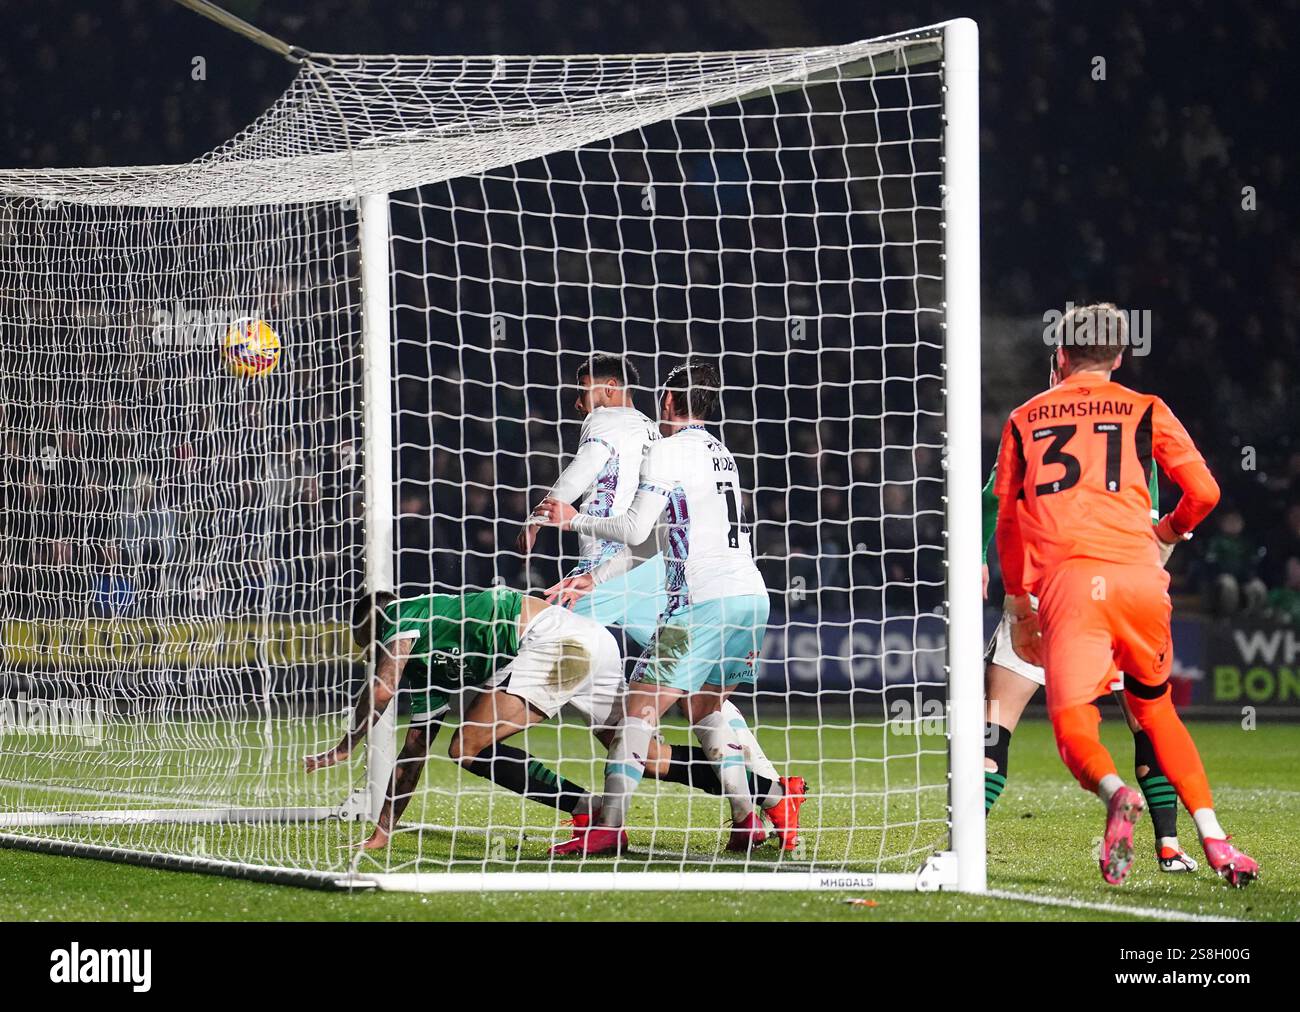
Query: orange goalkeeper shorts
x: 1097, y: 616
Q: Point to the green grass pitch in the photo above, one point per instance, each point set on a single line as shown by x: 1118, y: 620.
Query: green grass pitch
x: 1041, y: 837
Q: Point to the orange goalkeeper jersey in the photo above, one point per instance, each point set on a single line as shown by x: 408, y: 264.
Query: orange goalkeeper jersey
x: 1076, y: 462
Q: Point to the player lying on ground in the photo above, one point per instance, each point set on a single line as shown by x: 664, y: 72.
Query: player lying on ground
x: 614, y: 438
x: 1010, y: 682
x: 710, y: 632
x: 1074, y: 529
x: 522, y: 659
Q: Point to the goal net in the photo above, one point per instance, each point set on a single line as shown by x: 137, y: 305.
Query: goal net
x: 434, y: 245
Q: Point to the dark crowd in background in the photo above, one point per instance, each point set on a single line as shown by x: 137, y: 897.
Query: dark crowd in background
x: 1155, y: 180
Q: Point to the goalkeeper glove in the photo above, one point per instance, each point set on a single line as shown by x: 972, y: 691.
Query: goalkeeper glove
x: 1026, y: 636
x: 1167, y: 539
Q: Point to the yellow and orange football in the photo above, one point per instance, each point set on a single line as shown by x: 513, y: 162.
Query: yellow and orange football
x: 251, y: 348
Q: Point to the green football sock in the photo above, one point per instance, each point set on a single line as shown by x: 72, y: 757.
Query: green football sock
x: 515, y: 770
x: 1161, y: 798
x: 997, y: 743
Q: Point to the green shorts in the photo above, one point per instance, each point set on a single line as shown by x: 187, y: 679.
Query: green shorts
x: 427, y: 705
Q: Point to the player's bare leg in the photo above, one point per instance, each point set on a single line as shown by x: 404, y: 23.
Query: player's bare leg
x: 493, y: 717
x: 406, y: 775
x: 1161, y: 798
x: 1006, y: 696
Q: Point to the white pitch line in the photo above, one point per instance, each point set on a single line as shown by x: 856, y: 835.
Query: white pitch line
x: 1069, y: 791
x: 99, y: 792
x: 1154, y: 913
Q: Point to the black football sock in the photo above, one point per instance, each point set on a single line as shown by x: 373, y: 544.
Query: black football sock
x: 997, y: 743
x: 691, y: 767
x: 1162, y: 799
x: 684, y: 769
x: 515, y: 770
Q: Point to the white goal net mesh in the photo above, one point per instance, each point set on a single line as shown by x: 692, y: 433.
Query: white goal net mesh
x: 182, y: 544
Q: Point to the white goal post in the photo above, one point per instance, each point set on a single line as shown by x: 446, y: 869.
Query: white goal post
x: 435, y: 244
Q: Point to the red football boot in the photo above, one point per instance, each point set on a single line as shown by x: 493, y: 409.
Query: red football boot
x: 748, y: 833
x: 580, y: 824
x: 1122, y: 813
x: 595, y: 840
x: 784, y: 815
x: 1237, y: 868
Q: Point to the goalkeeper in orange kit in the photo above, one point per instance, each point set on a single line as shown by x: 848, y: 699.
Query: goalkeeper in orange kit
x: 1073, y: 529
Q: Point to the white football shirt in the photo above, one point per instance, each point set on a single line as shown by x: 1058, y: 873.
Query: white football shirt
x: 604, y: 472
x: 689, y: 496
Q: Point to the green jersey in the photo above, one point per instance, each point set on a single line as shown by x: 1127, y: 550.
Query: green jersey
x: 460, y: 639
x: 989, y: 504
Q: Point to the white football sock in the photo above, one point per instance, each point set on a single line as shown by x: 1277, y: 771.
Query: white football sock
x: 1207, y: 824
x: 722, y: 744
x: 588, y: 804
x: 624, y: 770
x: 773, y: 797
x: 1110, y: 783
x: 754, y: 754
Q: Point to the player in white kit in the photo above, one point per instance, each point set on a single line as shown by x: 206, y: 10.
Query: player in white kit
x: 687, y: 508
x: 605, y: 472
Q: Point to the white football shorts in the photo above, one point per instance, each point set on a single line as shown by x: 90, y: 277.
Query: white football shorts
x: 563, y: 659
x: 1003, y: 654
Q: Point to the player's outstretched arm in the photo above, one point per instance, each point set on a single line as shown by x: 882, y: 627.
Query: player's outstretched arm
x: 410, y: 764
x: 631, y: 527
x: 575, y: 479
x: 634, y: 528
x: 372, y: 701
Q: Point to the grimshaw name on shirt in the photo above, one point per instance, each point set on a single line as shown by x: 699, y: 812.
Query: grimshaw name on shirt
x: 1078, y: 409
